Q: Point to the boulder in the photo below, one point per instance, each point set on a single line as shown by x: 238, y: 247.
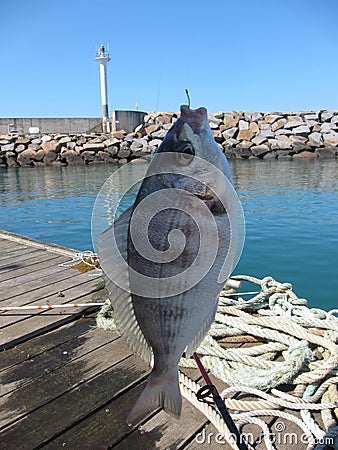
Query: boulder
x: 119, y: 134
x: 259, y: 139
x: 326, y: 115
x: 326, y: 152
x: 11, y: 161
x: 20, y: 148
x: 283, y: 154
x: 331, y: 138
x: 327, y: 127
x: 260, y: 150
x: 46, y: 138
x: 229, y: 133
x: 230, y: 120
x: 271, y: 118
x: 243, y: 125
x: 123, y: 154
x: 278, y: 124
x: 245, y: 135
x: 8, y: 147
x: 152, y: 128
x: 315, y: 139
x: 71, y: 145
x: 159, y: 134
x: 303, y: 130
x: 93, y: 146
x: 64, y: 140
x: 51, y: 146
x: 305, y: 154
x: 36, y: 141
x: 39, y: 155
x: 293, y: 124
x: 25, y: 158
x: 253, y: 116
x: 270, y: 155
x: 277, y: 144
x: 242, y: 153
x: 50, y: 157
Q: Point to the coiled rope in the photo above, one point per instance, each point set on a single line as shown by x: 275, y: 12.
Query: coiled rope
x: 282, y: 327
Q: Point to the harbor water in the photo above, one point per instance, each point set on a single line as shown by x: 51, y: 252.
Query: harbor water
x: 291, y: 212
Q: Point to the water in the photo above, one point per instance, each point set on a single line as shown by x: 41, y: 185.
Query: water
x: 291, y: 210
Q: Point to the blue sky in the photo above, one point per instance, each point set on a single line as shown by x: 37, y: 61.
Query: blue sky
x: 244, y: 55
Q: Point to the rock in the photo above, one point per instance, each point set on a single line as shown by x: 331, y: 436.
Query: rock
x: 259, y: 139
x: 260, y: 150
x: 152, y: 128
x: 283, y: 154
x: 277, y: 144
x: 270, y: 155
x: 122, y: 161
x: 38, y: 156
x: 326, y: 152
x: 123, y: 153
x: 163, y: 119
x: 4, y: 141
x: 254, y: 127
x: 71, y: 145
x: 93, y: 146
x: 326, y: 115
x: 50, y: 157
x: 271, y: 118
x: 230, y: 120
x: 326, y: 127
x: 293, y: 124
x: 305, y: 154
x: 315, y: 139
x: 22, y: 140
x: 242, y: 153
x: 334, y: 119
x: 283, y: 131
x: 119, y: 134
x: 51, y: 146
x: 20, y: 148
x: 36, y: 141
x: 302, y: 130
x: 331, y: 138
x: 8, y: 147
x: 105, y: 156
x: 159, y: 134
x: 245, y: 135
x: 246, y: 144
x: 24, y: 158
x: 295, y: 140
x: 64, y: 140
x: 253, y: 116
x: 311, y: 116
x: 81, y: 140
x: 278, y: 124
x: 311, y: 123
x: 11, y: 162
x: 217, y: 135
x: 243, y: 125
x: 230, y: 132
x: 46, y: 138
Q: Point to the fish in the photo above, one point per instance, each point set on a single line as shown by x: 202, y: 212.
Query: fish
x: 167, y: 257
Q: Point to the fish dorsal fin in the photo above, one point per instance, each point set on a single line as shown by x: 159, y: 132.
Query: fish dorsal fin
x: 112, y: 247
x: 194, y: 344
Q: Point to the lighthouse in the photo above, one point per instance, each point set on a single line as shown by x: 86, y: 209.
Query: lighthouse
x: 103, y: 57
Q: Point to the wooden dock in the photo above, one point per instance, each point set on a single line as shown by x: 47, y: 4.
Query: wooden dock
x: 64, y: 382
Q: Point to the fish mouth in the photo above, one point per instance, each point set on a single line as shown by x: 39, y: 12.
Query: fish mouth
x: 212, y: 203
x: 195, y: 118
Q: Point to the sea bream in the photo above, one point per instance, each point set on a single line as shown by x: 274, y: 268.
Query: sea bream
x: 167, y: 257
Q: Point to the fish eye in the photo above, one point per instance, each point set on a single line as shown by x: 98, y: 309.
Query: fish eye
x: 185, y: 153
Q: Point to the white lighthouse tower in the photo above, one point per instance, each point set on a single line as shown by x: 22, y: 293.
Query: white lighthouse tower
x: 103, y: 57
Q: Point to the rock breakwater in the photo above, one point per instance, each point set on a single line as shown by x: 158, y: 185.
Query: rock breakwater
x: 242, y: 135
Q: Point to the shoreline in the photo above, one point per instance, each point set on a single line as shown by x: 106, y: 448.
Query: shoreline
x: 241, y: 135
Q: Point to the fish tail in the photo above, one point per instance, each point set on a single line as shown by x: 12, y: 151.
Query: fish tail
x: 161, y: 391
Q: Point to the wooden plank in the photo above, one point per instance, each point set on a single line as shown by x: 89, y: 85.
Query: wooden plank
x: 31, y: 281
x: 17, y: 268
x: 82, y: 363
x: 18, y: 252
x: 53, y: 283
x: 41, y: 344
x: 23, y: 330
x: 89, y: 396
x: 34, y: 243
x: 35, y: 366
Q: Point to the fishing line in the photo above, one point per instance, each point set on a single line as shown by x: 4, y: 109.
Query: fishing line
x: 188, y: 97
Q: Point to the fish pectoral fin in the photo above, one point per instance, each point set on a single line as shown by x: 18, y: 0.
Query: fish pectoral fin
x: 112, y: 248
x: 161, y: 391
x: 194, y: 344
